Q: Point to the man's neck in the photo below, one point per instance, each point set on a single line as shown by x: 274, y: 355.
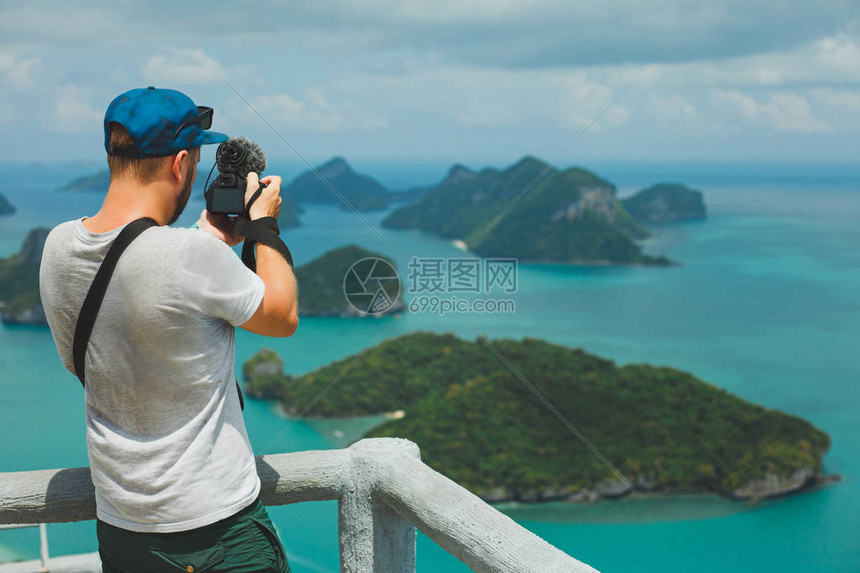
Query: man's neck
x: 129, y: 200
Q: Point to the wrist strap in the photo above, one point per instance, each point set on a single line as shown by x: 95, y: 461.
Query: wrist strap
x: 254, y: 197
x: 264, y: 231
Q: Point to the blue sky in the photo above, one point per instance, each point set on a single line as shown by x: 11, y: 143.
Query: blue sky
x: 449, y: 81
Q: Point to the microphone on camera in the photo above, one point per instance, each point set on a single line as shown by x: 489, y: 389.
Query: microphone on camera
x: 235, y: 158
x: 240, y: 155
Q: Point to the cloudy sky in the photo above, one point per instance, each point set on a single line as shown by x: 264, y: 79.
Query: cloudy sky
x: 449, y: 80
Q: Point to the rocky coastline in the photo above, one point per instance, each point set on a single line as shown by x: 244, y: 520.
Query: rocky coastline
x: 772, y: 486
x: 664, y: 430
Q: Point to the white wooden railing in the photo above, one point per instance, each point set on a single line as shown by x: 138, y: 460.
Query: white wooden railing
x: 384, y: 492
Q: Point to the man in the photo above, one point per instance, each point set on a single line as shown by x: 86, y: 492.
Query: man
x: 174, y: 473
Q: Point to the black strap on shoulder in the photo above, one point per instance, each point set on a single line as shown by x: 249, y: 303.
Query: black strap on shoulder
x: 96, y: 294
x: 264, y: 231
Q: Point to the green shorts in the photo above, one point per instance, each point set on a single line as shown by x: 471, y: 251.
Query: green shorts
x: 242, y: 543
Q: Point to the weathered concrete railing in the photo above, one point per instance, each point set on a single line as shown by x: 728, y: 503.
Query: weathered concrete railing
x: 384, y: 491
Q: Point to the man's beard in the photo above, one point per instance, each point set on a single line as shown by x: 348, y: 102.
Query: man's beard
x: 182, y: 199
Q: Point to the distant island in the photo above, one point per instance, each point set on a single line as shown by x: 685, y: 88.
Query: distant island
x: 100, y: 181
x: 409, y: 195
x: 480, y: 424
x: 569, y: 216
x: 19, y: 282
x: 289, y: 215
x: 363, y: 193
x: 97, y: 182
x: 666, y: 203
x: 6, y: 208
x: 321, y: 283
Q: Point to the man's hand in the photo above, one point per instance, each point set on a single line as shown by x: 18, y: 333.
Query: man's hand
x: 219, y: 226
x: 277, y: 314
x: 268, y: 204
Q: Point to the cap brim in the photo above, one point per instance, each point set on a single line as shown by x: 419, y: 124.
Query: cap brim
x: 213, y: 137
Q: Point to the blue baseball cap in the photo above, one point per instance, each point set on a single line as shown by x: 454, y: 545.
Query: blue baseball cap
x: 161, y: 122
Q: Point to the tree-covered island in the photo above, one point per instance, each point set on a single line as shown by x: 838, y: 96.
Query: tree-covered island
x: 99, y: 182
x: 477, y: 422
x: 335, y: 181
x: 666, y: 203
x: 530, y: 211
x: 321, y: 283
x: 20, y: 302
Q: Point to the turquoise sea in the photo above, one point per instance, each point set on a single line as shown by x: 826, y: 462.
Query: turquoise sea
x: 766, y: 304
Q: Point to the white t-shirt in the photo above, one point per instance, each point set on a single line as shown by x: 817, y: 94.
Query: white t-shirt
x: 166, y: 439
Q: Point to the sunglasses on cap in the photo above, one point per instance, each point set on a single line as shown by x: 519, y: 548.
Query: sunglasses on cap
x: 204, y: 118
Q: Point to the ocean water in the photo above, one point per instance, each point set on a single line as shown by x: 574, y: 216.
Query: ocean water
x: 765, y: 304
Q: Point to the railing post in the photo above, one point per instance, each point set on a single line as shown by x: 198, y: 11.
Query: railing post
x: 43, y: 545
x: 372, y: 537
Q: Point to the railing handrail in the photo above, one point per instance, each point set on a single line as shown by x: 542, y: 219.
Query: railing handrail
x: 383, y: 488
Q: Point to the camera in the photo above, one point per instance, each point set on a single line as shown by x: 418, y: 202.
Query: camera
x: 235, y: 158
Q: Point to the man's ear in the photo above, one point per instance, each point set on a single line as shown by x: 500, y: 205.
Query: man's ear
x: 177, y: 168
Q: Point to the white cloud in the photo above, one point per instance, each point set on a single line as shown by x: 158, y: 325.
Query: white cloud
x: 456, y: 75
x: 475, y: 98
x: 17, y: 78
x: 316, y: 113
x: 848, y: 100
x: 833, y: 59
x: 840, y: 108
x: 183, y: 67
x: 73, y: 112
x: 500, y: 33
x: 61, y: 25
x: 670, y: 112
x: 17, y: 73
x: 781, y: 111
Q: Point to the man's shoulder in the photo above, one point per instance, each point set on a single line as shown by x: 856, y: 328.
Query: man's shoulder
x: 60, y: 236
x: 188, y: 247
x: 63, y: 229
x: 187, y: 238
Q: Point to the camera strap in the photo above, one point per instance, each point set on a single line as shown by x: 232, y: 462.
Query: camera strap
x: 264, y: 231
x: 96, y: 294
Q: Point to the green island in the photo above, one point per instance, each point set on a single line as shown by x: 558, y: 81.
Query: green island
x: 96, y: 182
x: 20, y: 302
x: 289, y: 215
x: 666, y: 203
x: 570, y: 216
x: 362, y: 192
x: 480, y: 424
x: 100, y: 181
x: 6, y: 208
x: 321, y: 283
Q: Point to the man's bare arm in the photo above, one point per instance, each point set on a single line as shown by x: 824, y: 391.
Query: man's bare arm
x: 277, y: 314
